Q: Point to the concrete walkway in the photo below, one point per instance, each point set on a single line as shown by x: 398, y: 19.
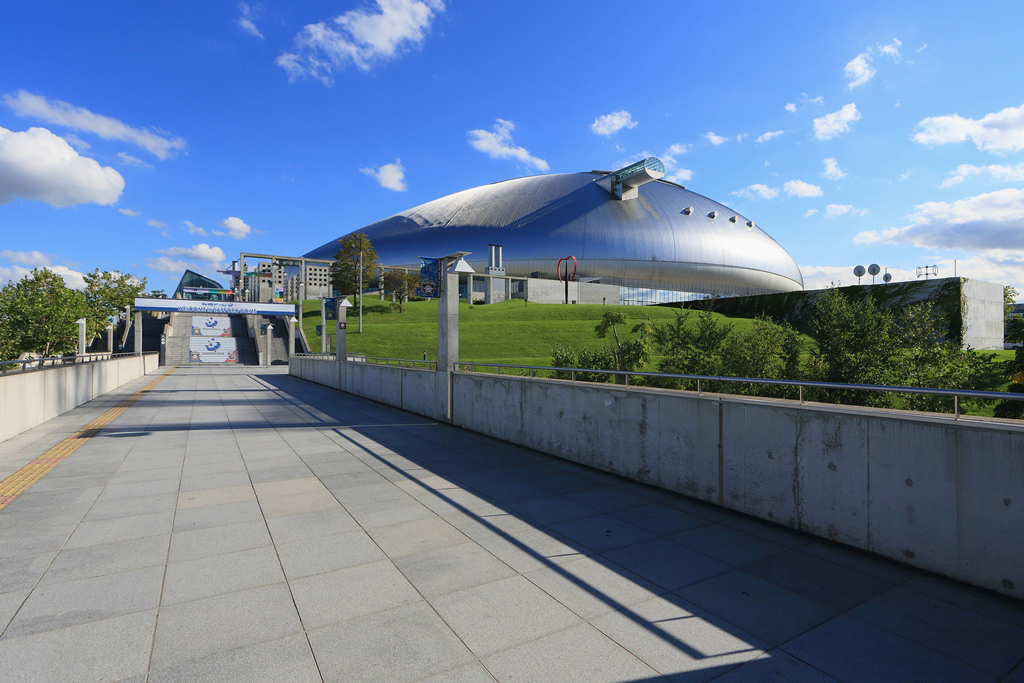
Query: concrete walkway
x: 242, y: 525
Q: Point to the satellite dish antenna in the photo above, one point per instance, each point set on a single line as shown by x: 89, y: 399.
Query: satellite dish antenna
x: 873, y: 270
x: 887, y: 278
x: 859, y: 272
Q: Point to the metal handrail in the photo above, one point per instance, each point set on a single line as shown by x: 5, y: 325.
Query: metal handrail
x: 57, y: 361
x: 955, y: 394
x: 378, y: 360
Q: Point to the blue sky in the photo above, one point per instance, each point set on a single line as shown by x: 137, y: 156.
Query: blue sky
x: 147, y: 137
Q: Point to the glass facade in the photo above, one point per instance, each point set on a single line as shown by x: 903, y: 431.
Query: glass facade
x: 196, y: 286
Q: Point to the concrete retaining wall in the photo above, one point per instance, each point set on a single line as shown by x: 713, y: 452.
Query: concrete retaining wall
x: 942, y: 495
x: 31, y: 398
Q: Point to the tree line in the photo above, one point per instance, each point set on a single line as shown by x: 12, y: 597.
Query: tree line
x: 857, y: 342
x: 39, y: 313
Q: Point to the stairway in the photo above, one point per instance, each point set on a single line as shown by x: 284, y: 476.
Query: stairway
x: 227, y: 341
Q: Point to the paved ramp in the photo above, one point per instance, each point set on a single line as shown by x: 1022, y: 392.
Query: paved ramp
x: 238, y: 525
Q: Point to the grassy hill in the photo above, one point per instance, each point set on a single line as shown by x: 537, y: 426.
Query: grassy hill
x: 509, y: 332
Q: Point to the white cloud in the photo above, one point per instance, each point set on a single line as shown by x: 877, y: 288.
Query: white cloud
x: 832, y: 170
x: 798, y: 188
x: 791, y: 107
x: 813, y: 100
x: 38, y: 165
x: 991, y: 222
x: 499, y: 145
x: 129, y: 160
x: 757, y: 191
x: 765, y: 137
x: 923, y: 46
x: 611, y: 123
x: 892, y: 49
x: 810, y: 212
x: 202, y: 252
x: 836, y: 210
x: 129, y: 212
x: 829, y: 126
x: 235, y: 227
x: 363, y: 37
x: 679, y: 176
x: 78, y: 143
x: 78, y: 118
x: 72, y: 278
x: 859, y: 70
x: 388, y: 176
x: 994, y: 172
x: 154, y: 223
x: 26, y: 258
x: 166, y: 265
x: 740, y: 137
x: 677, y: 148
x: 715, y: 140
x: 190, y: 227
x: 999, y: 132
x: 246, y: 19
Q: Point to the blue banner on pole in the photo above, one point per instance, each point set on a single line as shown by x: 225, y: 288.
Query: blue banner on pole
x: 429, y: 282
x: 330, y: 308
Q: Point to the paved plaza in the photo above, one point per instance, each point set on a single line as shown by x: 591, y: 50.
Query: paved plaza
x: 238, y: 524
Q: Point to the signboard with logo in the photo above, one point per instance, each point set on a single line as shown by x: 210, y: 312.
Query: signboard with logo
x: 212, y: 307
x: 211, y: 326
x: 330, y: 308
x: 212, y: 350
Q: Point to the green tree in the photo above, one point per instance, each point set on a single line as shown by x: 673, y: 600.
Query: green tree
x: 766, y: 350
x: 1010, y: 295
x: 590, y: 359
x: 401, y: 285
x: 1014, y: 370
x: 857, y: 344
x: 629, y: 355
x: 929, y: 359
x: 39, y: 313
x: 345, y: 269
x: 107, y: 294
x: 692, y: 349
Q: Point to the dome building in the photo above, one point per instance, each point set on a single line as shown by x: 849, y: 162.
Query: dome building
x: 628, y: 228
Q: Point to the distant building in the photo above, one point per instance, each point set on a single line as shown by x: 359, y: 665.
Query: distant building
x: 193, y: 285
x: 646, y: 238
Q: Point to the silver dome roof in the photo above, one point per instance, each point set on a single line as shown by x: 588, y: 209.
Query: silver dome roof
x: 665, y: 238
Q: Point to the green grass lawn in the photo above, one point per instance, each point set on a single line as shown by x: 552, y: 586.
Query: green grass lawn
x: 509, y: 332
x: 515, y: 333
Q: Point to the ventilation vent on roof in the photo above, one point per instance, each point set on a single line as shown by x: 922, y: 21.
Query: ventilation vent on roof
x: 688, y: 210
x: 750, y: 224
x: 713, y: 214
x: 733, y: 219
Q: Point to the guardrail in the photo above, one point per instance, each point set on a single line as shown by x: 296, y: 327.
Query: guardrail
x: 955, y: 394
x: 58, y: 361
x: 376, y: 360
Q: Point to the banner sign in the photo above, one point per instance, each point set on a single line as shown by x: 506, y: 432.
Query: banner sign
x: 212, y: 350
x: 330, y: 308
x: 211, y: 326
x: 205, y: 290
x: 212, y: 307
x: 429, y: 283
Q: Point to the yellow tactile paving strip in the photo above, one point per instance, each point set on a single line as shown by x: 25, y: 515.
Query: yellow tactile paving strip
x: 19, y: 482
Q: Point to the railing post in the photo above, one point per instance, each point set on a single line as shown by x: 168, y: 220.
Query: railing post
x: 572, y: 375
x: 956, y: 407
x: 627, y: 380
x: 698, y: 387
x: 801, y: 394
x: 498, y: 369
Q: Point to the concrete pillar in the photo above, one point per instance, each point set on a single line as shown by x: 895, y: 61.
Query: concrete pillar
x: 110, y: 338
x: 448, y: 323
x: 81, y: 336
x: 488, y: 285
x: 270, y: 353
x: 508, y: 289
x: 291, y: 337
x: 469, y: 289
x: 138, y: 333
x: 341, y: 333
x: 324, y: 337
